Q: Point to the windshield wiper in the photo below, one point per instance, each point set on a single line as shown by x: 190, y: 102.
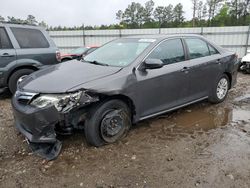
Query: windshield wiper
x: 96, y: 63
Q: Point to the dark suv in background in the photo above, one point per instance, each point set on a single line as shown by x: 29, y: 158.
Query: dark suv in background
x: 23, y: 50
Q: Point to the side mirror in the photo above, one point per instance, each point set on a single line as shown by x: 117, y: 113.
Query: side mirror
x: 153, y: 64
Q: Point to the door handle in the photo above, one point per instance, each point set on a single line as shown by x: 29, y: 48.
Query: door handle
x: 185, y: 69
x: 7, y: 55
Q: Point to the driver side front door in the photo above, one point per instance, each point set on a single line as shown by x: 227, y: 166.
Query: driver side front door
x: 167, y: 87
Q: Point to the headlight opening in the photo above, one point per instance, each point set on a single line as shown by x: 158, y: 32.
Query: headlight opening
x: 60, y: 101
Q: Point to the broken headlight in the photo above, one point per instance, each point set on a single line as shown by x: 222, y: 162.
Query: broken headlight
x: 60, y: 101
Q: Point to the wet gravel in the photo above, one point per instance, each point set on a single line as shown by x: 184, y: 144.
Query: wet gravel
x: 202, y: 145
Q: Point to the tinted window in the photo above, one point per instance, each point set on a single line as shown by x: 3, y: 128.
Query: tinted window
x: 170, y: 51
x: 4, y: 39
x: 30, y: 38
x: 197, y: 48
x: 212, y: 50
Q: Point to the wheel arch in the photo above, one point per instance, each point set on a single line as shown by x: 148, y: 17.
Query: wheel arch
x: 229, y: 75
x: 19, y: 68
x: 126, y: 100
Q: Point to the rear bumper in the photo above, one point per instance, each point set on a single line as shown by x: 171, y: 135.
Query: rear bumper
x: 234, y: 72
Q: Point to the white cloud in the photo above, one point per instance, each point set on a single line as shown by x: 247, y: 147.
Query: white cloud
x: 76, y: 12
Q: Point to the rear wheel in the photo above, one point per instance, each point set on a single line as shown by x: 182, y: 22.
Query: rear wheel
x: 14, y: 78
x: 220, y: 90
x: 107, y: 122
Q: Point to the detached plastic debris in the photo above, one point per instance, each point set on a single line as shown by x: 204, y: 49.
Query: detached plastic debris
x: 49, y: 151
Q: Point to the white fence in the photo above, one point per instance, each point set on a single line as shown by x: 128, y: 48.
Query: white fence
x: 236, y: 39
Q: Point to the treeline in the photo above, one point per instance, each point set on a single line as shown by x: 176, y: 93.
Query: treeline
x: 205, y: 13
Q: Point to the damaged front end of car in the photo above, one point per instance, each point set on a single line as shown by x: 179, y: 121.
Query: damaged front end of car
x: 40, y: 117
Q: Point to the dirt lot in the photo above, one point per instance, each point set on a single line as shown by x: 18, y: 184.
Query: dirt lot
x: 202, y: 145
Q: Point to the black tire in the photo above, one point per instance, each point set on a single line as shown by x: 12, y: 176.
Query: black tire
x: 213, y: 98
x: 15, y: 76
x: 66, y: 59
x: 94, y: 124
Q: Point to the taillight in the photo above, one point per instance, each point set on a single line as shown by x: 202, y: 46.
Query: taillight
x: 58, y: 56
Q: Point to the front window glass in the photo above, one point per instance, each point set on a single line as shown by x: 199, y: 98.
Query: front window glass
x: 119, y: 53
x: 170, y: 51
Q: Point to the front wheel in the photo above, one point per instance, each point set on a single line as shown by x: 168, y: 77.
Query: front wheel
x: 107, y: 122
x: 220, y: 90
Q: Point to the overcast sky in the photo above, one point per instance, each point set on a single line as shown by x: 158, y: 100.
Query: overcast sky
x: 76, y: 12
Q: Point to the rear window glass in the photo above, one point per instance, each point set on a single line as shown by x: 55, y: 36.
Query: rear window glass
x: 30, y: 38
x: 4, y: 40
x: 197, y: 48
x: 169, y: 51
x: 212, y: 50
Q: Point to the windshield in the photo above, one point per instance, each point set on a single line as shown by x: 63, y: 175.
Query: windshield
x: 119, y: 53
x: 79, y: 50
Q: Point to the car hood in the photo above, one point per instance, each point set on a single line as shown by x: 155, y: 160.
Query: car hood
x: 62, y: 77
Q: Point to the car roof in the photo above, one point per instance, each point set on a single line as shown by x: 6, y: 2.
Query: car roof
x: 161, y: 36
x: 20, y: 25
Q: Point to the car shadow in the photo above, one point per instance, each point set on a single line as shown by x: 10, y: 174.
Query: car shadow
x: 5, y: 94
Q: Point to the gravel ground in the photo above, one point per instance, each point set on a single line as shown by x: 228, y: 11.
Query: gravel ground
x: 202, y: 145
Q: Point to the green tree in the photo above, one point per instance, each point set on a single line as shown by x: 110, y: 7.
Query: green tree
x: 239, y: 10
x: 199, y: 10
x: 43, y: 24
x: 214, y: 7
x: 178, y: 15
x: 169, y: 14
x: 31, y: 20
x: 223, y: 17
x: 194, y: 7
x: 15, y: 20
x: 159, y: 14
x: 164, y: 15
x: 204, y: 12
x: 246, y: 10
x: 133, y: 15
x: 148, y: 11
x: 2, y: 19
x: 120, y: 16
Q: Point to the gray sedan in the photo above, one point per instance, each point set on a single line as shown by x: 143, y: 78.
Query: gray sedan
x: 119, y: 84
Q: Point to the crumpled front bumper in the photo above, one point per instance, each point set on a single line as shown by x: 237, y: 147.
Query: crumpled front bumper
x: 38, y: 126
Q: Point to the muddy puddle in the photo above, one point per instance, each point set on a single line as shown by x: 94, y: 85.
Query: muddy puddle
x: 199, y: 118
x: 202, y: 145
